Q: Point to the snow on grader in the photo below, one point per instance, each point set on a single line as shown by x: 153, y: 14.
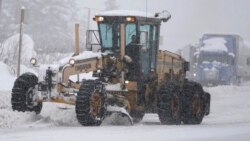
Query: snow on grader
x: 132, y: 77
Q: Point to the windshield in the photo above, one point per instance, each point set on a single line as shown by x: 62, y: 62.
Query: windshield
x: 213, y: 57
x: 109, y: 33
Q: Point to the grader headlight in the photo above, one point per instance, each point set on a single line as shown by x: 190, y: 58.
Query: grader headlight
x: 33, y: 61
x: 130, y: 19
x: 72, y: 61
x: 99, y: 19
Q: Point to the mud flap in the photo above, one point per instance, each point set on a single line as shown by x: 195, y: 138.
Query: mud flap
x: 118, y: 116
x: 207, y: 103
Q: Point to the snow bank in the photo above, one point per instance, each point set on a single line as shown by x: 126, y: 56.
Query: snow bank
x: 214, y: 45
x: 6, y: 79
x: 10, y: 119
x: 51, y: 115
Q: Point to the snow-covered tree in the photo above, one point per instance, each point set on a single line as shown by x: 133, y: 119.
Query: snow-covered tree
x: 10, y: 48
x: 111, y: 5
x: 49, y: 23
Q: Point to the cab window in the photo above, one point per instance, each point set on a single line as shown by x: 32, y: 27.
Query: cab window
x: 130, y: 31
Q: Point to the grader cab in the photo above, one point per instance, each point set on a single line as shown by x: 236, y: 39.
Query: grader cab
x: 131, y: 77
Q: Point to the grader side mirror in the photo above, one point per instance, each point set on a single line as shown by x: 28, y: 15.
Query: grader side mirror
x: 164, y: 15
x: 92, y: 40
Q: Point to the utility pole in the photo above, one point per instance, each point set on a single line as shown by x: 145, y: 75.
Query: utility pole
x: 20, y: 41
x: 89, y: 14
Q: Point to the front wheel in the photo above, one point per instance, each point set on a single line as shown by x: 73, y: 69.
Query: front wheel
x: 23, y: 92
x: 91, y: 104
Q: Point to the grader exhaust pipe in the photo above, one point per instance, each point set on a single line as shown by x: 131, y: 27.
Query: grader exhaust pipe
x: 77, y: 44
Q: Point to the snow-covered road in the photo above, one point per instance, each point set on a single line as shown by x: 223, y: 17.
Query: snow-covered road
x: 152, y: 132
x: 229, y: 121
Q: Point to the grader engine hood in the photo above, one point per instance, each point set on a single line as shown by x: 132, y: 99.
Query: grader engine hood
x: 84, y: 63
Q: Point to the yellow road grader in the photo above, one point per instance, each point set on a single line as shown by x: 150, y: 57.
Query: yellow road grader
x: 131, y: 76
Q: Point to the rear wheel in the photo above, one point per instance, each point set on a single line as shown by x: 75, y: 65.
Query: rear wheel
x: 169, y: 104
x: 23, y: 92
x: 193, y: 103
x: 91, y: 104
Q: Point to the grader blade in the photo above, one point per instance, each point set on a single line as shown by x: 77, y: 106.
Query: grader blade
x: 118, y: 116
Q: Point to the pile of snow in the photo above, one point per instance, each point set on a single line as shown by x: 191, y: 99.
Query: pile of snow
x: 6, y: 79
x: 51, y: 115
x: 216, y: 44
x: 10, y: 48
x: 8, y: 118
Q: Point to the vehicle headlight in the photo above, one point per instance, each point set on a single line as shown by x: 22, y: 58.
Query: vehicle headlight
x: 126, y: 82
x: 33, y: 61
x: 130, y: 19
x: 194, y: 74
x: 99, y: 19
x: 72, y: 61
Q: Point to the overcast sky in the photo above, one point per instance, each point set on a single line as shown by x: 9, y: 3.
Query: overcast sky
x: 191, y: 18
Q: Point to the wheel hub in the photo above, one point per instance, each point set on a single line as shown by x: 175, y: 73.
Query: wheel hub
x: 95, y: 104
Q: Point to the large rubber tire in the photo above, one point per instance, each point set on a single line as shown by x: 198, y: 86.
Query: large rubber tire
x: 193, y: 103
x: 169, y: 104
x: 22, y: 91
x: 87, y: 95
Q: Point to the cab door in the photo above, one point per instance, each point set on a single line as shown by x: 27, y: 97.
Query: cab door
x: 148, y: 41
